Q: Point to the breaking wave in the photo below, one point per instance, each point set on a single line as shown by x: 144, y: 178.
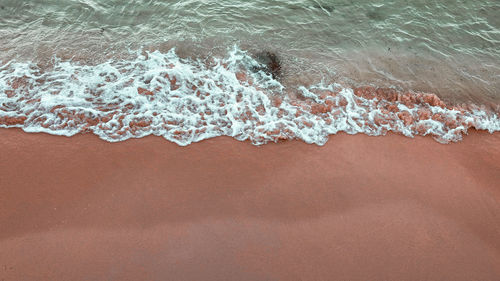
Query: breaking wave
x: 188, y: 100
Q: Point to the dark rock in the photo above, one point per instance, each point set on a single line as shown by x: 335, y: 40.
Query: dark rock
x: 270, y: 64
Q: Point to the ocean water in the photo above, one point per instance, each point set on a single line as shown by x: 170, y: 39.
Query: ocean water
x: 254, y: 70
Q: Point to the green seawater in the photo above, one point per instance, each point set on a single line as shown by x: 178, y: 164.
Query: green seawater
x: 451, y: 47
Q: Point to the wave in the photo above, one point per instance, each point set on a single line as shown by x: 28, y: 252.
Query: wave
x: 187, y: 100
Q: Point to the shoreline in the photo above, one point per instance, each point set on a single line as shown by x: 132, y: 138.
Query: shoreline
x: 358, y: 208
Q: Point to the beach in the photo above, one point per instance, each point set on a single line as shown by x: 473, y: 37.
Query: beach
x: 250, y: 140
x: 357, y: 208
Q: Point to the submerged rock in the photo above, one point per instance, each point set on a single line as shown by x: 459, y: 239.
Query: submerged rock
x: 270, y: 64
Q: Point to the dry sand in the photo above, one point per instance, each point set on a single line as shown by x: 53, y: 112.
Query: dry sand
x: 358, y: 208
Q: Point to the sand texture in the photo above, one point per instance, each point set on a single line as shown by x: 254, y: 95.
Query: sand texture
x: 358, y: 208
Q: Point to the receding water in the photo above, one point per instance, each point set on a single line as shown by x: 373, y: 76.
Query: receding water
x: 449, y: 47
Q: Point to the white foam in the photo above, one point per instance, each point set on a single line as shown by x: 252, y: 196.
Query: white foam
x: 208, y: 98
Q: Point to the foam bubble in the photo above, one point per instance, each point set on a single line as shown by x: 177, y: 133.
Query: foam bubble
x: 188, y: 100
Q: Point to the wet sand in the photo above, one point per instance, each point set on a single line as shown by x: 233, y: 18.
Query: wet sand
x: 358, y: 208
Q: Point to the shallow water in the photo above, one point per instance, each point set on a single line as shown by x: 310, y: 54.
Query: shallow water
x: 449, y: 48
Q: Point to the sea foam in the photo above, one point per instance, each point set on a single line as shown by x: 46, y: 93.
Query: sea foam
x: 188, y: 100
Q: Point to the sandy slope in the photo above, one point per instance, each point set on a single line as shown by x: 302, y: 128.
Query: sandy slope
x: 358, y: 208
